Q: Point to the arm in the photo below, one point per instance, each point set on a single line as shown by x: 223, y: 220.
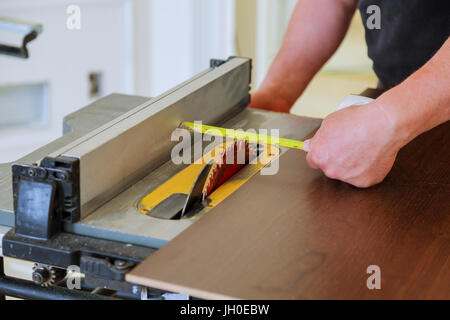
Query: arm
x: 315, y: 30
x: 359, y: 145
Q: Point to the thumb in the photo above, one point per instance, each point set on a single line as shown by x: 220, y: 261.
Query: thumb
x: 307, y: 145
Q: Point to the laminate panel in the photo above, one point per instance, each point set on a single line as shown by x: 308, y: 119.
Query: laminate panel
x: 299, y: 235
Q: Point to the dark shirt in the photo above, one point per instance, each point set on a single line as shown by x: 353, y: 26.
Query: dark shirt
x: 411, y: 32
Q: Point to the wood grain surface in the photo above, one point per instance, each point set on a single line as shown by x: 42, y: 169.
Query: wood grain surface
x: 299, y: 235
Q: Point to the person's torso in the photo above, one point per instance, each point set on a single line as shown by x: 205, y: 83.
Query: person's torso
x: 410, y: 33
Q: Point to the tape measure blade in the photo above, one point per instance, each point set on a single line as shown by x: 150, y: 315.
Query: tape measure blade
x: 252, y: 137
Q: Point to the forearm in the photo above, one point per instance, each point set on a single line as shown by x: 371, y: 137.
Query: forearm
x: 315, y: 31
x: 422, y: 101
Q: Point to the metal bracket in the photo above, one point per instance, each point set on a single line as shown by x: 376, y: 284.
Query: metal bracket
x: 105, y: 268
x: 66, y: 249
x: 214, y: 63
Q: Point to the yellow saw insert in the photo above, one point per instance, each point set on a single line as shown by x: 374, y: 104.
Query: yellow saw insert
x: 221, y: 178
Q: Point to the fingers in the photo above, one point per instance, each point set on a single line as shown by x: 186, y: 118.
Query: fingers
x: 362, y: 182
x: 309, y: 156
x: 307, y: 145
x: 317, y: 158
x: 311, y: 162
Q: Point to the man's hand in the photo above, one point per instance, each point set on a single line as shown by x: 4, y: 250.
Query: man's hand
x: 267, y: 101
x: 357, y: 145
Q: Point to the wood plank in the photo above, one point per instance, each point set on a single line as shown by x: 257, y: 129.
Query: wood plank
x: 299, y: 235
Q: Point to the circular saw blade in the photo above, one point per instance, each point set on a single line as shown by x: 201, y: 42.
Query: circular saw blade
x: 235, y: 156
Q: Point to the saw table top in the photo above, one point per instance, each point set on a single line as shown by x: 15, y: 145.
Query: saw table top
x: 299, y: 235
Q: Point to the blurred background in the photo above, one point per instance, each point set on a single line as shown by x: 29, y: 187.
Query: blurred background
x: 145, y: 47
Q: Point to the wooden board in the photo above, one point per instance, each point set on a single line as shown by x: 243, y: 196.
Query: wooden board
x: 299, y: 235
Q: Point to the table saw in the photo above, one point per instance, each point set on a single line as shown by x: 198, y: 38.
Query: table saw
x: 86, y: 187
x: 107, y: 198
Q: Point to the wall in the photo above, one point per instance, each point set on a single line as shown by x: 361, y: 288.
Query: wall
x: 176, y: 39
x: 142, y: 47
x: 62, y: 59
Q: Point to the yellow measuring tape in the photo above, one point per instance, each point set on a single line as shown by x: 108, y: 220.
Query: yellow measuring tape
x: 243, y: 135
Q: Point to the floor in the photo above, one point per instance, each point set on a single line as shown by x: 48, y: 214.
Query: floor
x: 328, y: 89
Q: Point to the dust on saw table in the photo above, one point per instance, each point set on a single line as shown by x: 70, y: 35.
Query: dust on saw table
x: 299, y: 235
